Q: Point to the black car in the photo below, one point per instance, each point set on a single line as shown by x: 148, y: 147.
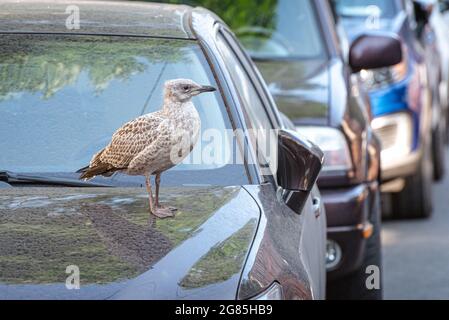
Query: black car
x: 296, y: 48
x: 250, y: 224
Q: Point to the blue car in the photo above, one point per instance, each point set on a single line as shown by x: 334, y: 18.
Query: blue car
x: 407, y: 115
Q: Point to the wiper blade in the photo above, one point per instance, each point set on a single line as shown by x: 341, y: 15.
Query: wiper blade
x: 11, y: 177
x: 262, y: 58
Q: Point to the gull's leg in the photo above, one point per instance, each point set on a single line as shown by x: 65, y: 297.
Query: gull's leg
x: 150, y: 193
x: 158, y: 183
x: 161, y: 211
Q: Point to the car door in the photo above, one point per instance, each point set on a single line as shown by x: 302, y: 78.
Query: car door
x: 261, y: 113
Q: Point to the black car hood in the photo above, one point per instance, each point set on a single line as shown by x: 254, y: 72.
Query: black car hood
x: 121, y: 251
x: 300, y: 88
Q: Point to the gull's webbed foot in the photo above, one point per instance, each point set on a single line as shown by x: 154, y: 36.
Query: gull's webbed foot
x: 163, y: 212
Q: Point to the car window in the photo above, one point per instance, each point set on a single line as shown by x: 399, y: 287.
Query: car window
x: 62, y: 97
x: 256, y: 77
x: 288, y: 29
x: 385, y: 9
x: 257, y: 116
x: 270, y: 28
x: 262, y: 132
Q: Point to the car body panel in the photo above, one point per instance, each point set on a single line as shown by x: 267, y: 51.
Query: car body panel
x: 349, y: 215
x: 123, y: 252
x: 96, y: 17
x: 275, y: 256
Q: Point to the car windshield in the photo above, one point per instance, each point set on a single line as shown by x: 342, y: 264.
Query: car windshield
x: 384, y: 9
x: 62, y: 97
x: 285, y: 29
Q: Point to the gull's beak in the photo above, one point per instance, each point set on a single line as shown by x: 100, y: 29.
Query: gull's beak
x: 206, y: 89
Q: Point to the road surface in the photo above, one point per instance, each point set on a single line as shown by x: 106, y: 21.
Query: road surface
x: 416, y: 253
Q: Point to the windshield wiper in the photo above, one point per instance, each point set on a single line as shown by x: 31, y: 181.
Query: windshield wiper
x: 11, y: 177
x: 263, y: 58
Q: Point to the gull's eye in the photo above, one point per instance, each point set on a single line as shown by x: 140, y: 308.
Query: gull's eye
x: 186, y: 88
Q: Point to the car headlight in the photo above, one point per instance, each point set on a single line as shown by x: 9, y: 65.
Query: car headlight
x: 333, y: 144
x: 395, y: 132
x: 274, y: 292
x: 384, y: 77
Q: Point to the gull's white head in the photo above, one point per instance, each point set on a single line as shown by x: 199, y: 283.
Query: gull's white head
x: 182, y: 90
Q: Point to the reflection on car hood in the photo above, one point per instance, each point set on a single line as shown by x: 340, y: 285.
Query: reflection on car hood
x: 300, y: 89
x: 121, y: 251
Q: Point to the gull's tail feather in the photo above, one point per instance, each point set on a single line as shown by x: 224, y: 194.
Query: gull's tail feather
x: 101, y: 169
x: 82, y: 170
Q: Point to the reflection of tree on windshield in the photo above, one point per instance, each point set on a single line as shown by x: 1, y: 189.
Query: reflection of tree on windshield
x: 46, y: 64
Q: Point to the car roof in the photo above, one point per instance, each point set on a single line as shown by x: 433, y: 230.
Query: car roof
x: 97, y: 17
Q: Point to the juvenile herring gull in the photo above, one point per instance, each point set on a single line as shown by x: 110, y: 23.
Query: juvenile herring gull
x: 154, y: 142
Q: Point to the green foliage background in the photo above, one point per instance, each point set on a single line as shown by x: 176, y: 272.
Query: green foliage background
x: 237, y: 14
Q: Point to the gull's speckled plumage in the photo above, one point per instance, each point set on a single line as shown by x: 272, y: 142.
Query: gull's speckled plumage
x: 155, y: 142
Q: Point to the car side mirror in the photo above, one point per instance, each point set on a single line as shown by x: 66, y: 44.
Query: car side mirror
x: 299, y: 164
x: 373, y: 51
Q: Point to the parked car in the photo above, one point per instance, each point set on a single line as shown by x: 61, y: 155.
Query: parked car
x: 298, y: 54
x: 242, y: 231
x: 408, y: 117
x: 439, y: 22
